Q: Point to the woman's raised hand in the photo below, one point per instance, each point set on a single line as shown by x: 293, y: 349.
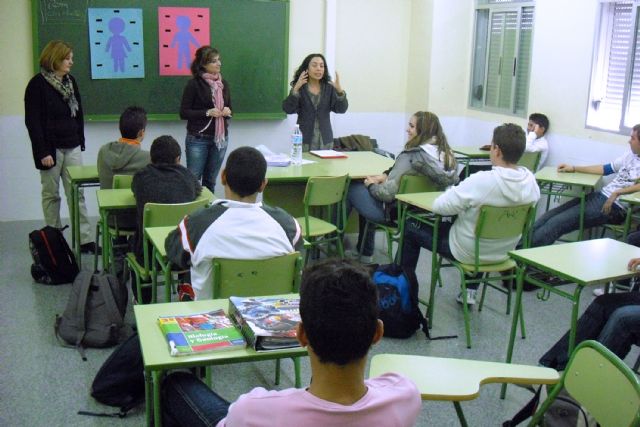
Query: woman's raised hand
x: 302, y: 80
x: 336, y: 84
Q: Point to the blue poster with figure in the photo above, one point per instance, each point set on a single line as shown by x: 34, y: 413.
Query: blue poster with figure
x: 116, y: 41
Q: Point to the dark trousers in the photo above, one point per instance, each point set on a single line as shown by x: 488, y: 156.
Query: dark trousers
x: 187, y: 401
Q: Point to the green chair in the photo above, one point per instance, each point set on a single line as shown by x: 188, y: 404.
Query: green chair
x: 158, y: 215
x: 115, y: 231
x: 325, y: 224
x: 602, y: 383
x: 249, y: 278
x: 393, y: 231
x: 493, y: 223
x: 530, y: 160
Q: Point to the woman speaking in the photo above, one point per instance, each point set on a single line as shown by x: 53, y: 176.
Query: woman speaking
x: 54, y: 119
x: 206, y: 105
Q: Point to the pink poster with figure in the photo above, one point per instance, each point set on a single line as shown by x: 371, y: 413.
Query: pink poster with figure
x: 181, y: 30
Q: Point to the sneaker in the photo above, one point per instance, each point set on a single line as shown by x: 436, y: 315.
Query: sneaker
x: 185, y: 292
x: 471, y: 297
x: 598, y: 291
x: 366, y: 259
x: 90, y: 248
x: 351, y: 254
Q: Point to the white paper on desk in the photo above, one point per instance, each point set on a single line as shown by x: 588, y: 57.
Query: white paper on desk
x: 273, y: 159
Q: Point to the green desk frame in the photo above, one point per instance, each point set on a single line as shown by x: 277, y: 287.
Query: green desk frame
x: 81, y: 177
x: 584, y: 263
x: 155, y: 351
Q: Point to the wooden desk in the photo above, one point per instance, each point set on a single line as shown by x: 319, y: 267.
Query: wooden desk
x: 584, y: 263
x: 470, y: 154
x: 81, y: 176
x: 457, y: 380
x: 287, y: 184
x: 155, y: 351
x: 425, y: 202
x: 554, y: 183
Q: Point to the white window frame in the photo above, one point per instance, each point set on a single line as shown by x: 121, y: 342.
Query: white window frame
x: 498, y: 6
x: 600, y: 70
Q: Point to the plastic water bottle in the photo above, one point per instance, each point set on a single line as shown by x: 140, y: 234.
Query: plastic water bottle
x: 296, y: 146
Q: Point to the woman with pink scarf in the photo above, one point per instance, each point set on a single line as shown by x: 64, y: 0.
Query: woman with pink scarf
x: 206, y: 105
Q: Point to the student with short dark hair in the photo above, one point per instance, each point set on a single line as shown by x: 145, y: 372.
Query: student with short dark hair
x: 165, y: 180
x: 236, y: 227
x: 506, y: 184
x: 124, y: 156
x: 339, y: 313
x: 536, y: 140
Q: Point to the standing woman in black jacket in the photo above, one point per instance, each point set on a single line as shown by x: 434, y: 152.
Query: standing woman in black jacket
x: 206, y: 105
x: 54, y: 119
x: 313, y: 96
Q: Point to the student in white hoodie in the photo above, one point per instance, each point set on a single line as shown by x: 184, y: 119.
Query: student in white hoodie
x: 506, y: 184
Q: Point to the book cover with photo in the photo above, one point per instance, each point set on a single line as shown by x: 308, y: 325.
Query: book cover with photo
x: 200, y: 333
x: 268, y: 323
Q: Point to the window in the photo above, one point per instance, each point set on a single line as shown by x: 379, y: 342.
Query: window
x: 502, y: 56
x: 614, y: 97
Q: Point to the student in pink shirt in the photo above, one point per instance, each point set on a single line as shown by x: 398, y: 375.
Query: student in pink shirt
x: 339, y: 312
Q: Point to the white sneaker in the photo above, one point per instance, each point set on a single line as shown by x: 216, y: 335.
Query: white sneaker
x: 471, y: 297
x: 366, y: 259
x: 598, y: 291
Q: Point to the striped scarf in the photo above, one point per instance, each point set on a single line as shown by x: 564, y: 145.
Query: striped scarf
x: 215, y: 82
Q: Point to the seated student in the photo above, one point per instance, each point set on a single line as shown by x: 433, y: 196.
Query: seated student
x: 536, y: 141
x: 611, y: 319
x: 165, y: 180
x: 600, y: 207
x: 426, y: 152
x: 339, y: 313
x: 236, y: 227
x: 507, y: 184
x: 124, y: 156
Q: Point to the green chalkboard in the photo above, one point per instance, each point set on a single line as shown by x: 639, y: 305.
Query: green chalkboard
x: 251, y: 35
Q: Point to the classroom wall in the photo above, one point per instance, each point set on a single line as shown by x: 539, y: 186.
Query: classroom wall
x: 394, y: 57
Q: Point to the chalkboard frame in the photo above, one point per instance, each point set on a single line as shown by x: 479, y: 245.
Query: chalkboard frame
x: 92, y: 116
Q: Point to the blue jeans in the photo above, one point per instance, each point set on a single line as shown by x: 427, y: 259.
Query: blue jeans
x: 612, y: 319
x: 204, y: 159
x: 566, y: 218
x: 368, y: 207
x: 419, y: 235
x: 188, y: 401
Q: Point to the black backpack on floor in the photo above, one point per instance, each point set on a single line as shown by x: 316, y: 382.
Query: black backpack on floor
x: 94, y: 315
x: 53, y: 261
x: 120, y: 380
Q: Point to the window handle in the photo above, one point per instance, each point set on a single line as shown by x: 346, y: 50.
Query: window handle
x: 500, y: 66
x: 514, y: 66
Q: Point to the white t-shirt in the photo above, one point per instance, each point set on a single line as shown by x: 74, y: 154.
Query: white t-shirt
x: 627, y: 169
x: 391, y: 400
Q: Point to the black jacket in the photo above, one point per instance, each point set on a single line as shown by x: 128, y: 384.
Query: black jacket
x: 307, y: 113
x: 48, y: 119
x: 196, y: 100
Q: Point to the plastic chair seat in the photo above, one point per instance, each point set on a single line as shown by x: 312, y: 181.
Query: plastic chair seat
x: 488, y: 268
x: 317, y: 227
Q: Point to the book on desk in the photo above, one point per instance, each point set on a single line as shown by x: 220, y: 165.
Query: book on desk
x: 328, y: 154
x: 267, y: 323
x: 200, y: 333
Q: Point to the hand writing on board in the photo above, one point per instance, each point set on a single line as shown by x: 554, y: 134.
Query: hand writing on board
x: 302, y: 80
x: 336, y: 84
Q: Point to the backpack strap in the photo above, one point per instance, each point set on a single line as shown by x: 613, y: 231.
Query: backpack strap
x: 107, y: 295
x: 83, y: 291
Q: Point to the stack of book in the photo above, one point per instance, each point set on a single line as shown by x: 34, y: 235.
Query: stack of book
x: 268, y: 323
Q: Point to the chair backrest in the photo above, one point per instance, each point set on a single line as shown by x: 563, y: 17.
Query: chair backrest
x: 166, y: 214
x: 325, y: 190
x: 122, y: 181
x: 603, y: 384
x: 502, y: 222
x: 245, y: 278
x: 416, y: 184
x: 530, y: 160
